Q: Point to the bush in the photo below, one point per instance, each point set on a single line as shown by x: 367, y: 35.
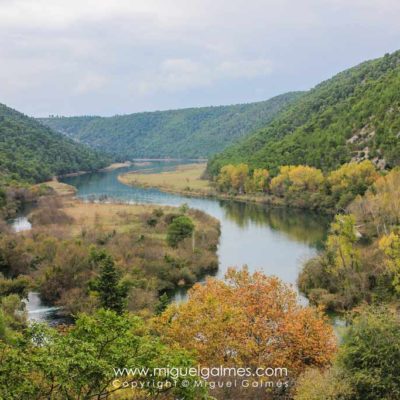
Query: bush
x: 370, y: 355
x: 330, y: 384
x: 179, y: 229
x: 152, y: 221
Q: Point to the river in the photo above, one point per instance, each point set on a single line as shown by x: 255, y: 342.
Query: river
x: 269, y: 239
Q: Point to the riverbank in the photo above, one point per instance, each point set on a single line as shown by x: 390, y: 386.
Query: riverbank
x: 248, y: 230
x: 115, y: 166
x: 59, y: 188
x: 135, y: 236
x: 187, y: 180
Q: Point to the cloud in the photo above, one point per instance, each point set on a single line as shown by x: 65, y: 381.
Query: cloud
x: 119, y: 56
x: 90, y: 83
x: 245, y: 68
x: 176, y: 75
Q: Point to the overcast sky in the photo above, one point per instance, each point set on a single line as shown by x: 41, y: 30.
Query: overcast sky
x: 105, y: 57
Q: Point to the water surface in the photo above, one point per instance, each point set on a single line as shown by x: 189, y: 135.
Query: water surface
x: 269, y: 239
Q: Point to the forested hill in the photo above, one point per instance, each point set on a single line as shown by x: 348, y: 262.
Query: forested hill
x: 186, y: 133
x: 353, y: 116
x: 31, y: 152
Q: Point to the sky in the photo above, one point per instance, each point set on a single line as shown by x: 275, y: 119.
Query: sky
x: 106, y: 57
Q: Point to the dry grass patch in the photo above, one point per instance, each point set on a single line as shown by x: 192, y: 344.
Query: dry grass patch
x: 62, y: 189
x: 65, y: 229
x: 184, y: 179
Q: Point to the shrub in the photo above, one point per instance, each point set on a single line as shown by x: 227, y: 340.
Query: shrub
x: 179, y: 229
x: 370, y: 355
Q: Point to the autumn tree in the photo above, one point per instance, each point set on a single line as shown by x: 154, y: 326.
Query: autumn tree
x: 390, y: 245
x: 341, y: 244
x: 299, y: 185
x: 328, y: 384
x: 233, y: 177
x: 281, y: 182
x: 260, y: 179
x: 249, y: 320
x: 350, y: 180
x: 297, y: 179
x: 378, y: 211
x: 305, y: 178
x: 224, y: 179
x: 239, y: 176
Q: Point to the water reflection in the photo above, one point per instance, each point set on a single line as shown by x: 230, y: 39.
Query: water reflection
x: 298, y: 225
x: 274, y: 240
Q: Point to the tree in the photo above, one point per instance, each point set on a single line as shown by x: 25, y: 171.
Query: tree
x: 249, y: 320
x: 300, y: 185
x: 328, y: 384
x: 179, y: 229
x: 350, y: 180
x: 83, y: 361
x: 162, y: 304
x: 260, y: 179
x: 370, y: 354
x: 281, y: 182
x: 341, y: 244
x: 233, y: 177
x: 390, y: 245
x: 379, y: 209
x: 305, y: 178
x: 367, y: 364
x: 239, y: 176
x: 224, y: 179
x: 112, y: 293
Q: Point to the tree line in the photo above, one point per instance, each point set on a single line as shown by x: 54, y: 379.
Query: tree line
x: 300, y: 185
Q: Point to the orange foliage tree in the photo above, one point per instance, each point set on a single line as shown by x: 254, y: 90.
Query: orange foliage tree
x: 249, y: 320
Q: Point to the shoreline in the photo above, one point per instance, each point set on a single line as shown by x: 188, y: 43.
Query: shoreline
x: 135, y: 161
x: 111, y: 167
x: 208, y: 193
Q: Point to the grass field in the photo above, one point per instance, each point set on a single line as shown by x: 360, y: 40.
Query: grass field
x: 73, y: 216
x: 185, y: 179
x: 62, y: 189
x: 64, y: 230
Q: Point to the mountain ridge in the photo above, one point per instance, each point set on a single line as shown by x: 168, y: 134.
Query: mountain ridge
x: 32, y: 153
x: 355, y: 115
x: 195, y: 132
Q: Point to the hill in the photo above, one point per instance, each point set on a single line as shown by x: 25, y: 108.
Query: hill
x: 187, y: 133
x: 31, y: 152
x: 353, y: 116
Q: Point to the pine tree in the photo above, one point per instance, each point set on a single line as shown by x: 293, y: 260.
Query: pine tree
x: 111, y: 292
x: 162, y: 304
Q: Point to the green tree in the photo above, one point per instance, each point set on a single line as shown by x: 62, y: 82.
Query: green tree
x: 112, y: 293
x: 162, y: 304
x: 179, y: 229
x: 367, y: 364
x: 370, y: 355
x: 80, y: 363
